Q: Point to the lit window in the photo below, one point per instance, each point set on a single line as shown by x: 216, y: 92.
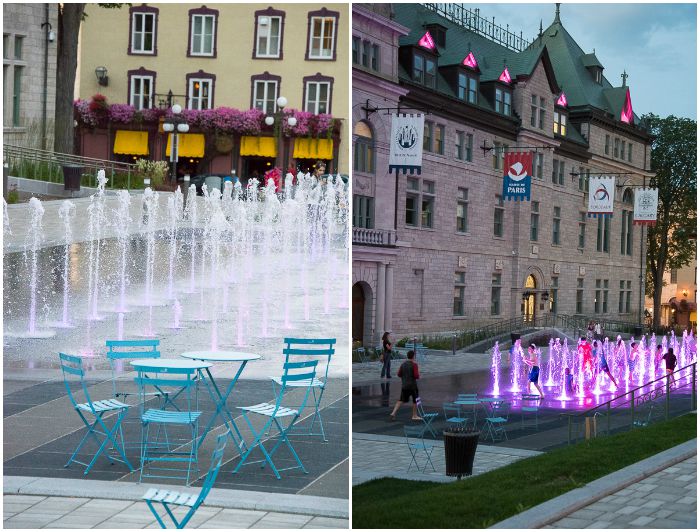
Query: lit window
x: 559, y: 123
x: 200, y: 92
x: 322, y: 37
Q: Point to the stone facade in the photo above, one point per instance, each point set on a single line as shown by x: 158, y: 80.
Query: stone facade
x: 430, y: 264
x: 29, y: 56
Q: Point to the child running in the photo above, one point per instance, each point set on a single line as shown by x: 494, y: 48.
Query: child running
x: 408, y: 372
x: 534, y: 374
x: 671, y: 361
x: 603, y: 363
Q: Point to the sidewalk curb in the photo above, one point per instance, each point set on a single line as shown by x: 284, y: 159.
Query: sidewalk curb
x: 222, y: 498
x: 559, y: 507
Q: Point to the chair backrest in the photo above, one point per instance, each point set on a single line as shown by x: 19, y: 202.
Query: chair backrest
x: 296, y: 372
x: 310, y: 347
x: 466, y: 397
x: 501, y: 409
x: 118, y: 351
x: 161, y: 377
x: 450, y: 410
x: 530, y: 399
x: 214, y: 466
x: 73, y: 372
x: 419, y: 406
x: 413, y: 431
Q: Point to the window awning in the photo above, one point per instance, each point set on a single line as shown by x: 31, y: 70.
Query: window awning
x: 306, y: 148
x: 258, y: 147
x: 131, y: 142
x: 190, y: 145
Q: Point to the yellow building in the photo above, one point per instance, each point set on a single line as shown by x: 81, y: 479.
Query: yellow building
x: 240, y: 56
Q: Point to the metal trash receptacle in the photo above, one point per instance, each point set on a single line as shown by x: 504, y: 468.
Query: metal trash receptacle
x: 71, y: 176
x: 460, y: 449
x: 637, y: 331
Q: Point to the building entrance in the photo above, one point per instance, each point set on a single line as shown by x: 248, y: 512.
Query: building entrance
x: 529, y: 302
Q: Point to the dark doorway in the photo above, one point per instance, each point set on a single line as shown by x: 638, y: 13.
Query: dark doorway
x: 358, y: 312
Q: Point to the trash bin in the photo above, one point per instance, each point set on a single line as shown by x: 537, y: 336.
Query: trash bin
x: 460, y: 448
x: 71, y: 176
x: 637, y: 331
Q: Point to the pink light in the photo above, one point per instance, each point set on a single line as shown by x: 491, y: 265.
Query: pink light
x: 426, y: 41
x: 470, y: 61
x: 562, y: 100
x: 627, y: 115
x: 505, y: 76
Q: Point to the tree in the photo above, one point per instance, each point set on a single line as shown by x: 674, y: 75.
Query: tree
x: 69, y: 18
x: 671, y: 242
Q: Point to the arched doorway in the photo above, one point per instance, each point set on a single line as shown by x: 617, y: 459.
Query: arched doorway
x: 529, y: 302
x: 358, y: 312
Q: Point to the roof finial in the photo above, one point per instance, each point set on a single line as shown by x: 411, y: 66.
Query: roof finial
x: 556, y: 15
x: 540, y: 34
x: 624, y: 77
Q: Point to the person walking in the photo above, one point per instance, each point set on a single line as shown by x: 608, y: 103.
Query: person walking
x: 534, y: 374
x: 598, y: 329
x: 408, y: 371
x: 671, y: 361
x: 386, y: 355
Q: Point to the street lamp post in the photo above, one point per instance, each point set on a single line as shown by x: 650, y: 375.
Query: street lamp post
x: 278, y: 118
x: 175, y: 125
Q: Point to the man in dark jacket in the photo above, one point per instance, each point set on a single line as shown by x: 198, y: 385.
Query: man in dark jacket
x: 409, y: 388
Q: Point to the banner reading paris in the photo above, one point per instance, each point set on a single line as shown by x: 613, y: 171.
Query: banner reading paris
x: 517, y: 174
x: 406, y: 143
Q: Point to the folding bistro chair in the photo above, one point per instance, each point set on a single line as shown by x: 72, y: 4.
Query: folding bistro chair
x: 496, y: 423
x: 428, y: 418
x: 185, y: 380
x: 72, y: 367
x: 301, y: 349
x: 416, y: 443
x: 529, y: 405
x: 361, y: 354
x: 294, y: 374
x: 121, y: 351
x: 453, y: 415
x: 171, y: 500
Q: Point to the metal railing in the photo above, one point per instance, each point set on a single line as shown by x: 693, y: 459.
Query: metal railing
x: 47, y: 165
x: 633, y: 399
x: 580, y: 322
x: 471, y: 20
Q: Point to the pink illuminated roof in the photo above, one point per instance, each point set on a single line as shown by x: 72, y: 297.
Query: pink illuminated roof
x: 505, y: 76
x: 426, y: 41
x: 562, y: 100
x: 627, y: 115
x: 470, y: 61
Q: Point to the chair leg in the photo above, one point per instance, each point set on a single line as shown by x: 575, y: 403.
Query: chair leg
x: 155, y: 513
x: 429, y: 460
x: 413, y: 459
x: 283, y: 436
x: 90, y: 432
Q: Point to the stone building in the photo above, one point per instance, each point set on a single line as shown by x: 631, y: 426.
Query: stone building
x: 29, y: 74
x: 202, y: 57
x: 442, y: 251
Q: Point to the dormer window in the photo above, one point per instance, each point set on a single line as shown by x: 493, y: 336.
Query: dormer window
x: 560, y: 122
x: 439, y: 33
x: 503, y: 99
x: 424, y: 70
x: 467, y: 87
x: 598, y: 76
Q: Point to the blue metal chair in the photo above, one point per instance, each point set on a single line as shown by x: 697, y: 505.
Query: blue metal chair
x: 175, y: 499
x: 416, y: 444
x: 496, y: 422
x: 72, y: 368
x: 295, y: 374
x: 120, y: 351
x: 361, y: 354
x: 185, y: 381
x: 427, y: 417
x: 302, y: 349
x: 453, y: 415
x: 530, y: 405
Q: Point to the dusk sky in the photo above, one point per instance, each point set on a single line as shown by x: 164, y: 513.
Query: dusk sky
x: 655, y: 43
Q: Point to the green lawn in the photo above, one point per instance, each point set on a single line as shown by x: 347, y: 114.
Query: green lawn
x: 483, y: 500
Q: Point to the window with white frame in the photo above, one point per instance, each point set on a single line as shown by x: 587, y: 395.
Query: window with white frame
x: 265, y: 96
x: 141, y: 92
x: 559, y: 123
x: 143, y: 32
x: 318, y: 97
x: 269, y: 32
x: 322, y: 38
x: 200, y: 92
x: 203, y: 34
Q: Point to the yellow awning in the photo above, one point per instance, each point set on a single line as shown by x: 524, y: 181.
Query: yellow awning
x: 131, y: 142
x: 306, y: 148
x: 259, y: 147
x: 189, y: 145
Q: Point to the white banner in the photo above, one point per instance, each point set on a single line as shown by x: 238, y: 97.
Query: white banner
x: 406, y: 149
x: 601, y: 195
x: 646, y: 202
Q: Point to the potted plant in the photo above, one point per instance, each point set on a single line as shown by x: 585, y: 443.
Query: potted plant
x: 153, y: 170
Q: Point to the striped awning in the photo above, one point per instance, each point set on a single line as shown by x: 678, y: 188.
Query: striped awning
x: 308, y: 148
x: 189, y: 145
x: 258, y: 147
x: 131, y: 142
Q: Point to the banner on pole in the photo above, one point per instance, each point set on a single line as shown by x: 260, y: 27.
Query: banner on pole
x: 646, y: 202
x: 517, y: 175
x: 601, y: 196
x: 406, y: 148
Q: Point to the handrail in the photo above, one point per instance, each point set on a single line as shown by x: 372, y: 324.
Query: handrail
x: 61, y: 158
x: 607, y: 405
